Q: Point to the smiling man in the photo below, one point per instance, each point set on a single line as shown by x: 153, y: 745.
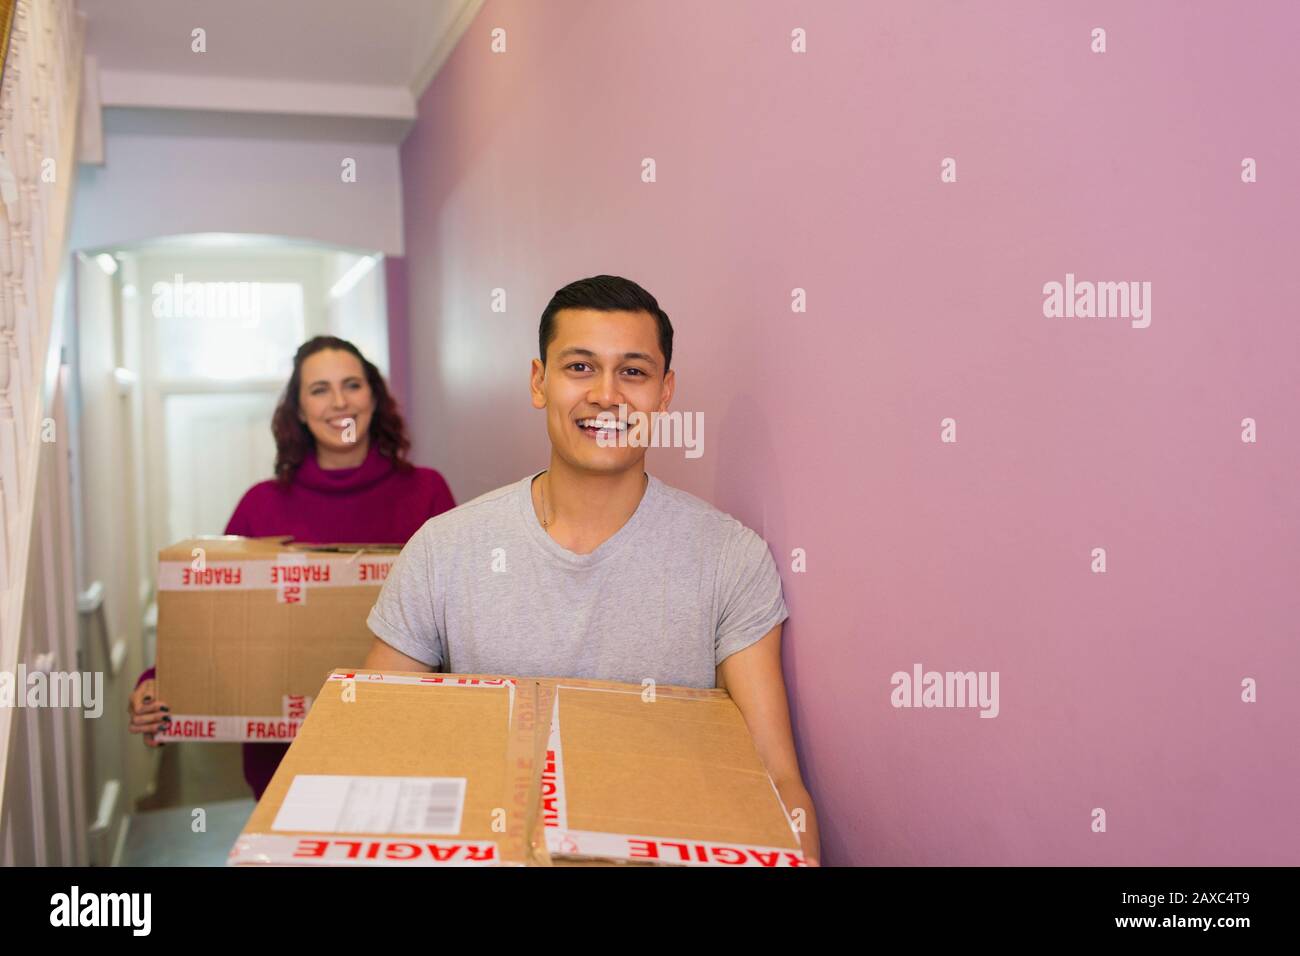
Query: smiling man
x: 594, y: 568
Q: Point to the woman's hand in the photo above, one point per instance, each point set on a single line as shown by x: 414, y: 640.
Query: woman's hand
x: 148, y: 714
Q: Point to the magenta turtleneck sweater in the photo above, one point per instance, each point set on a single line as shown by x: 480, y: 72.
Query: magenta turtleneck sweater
x: 372, y: 503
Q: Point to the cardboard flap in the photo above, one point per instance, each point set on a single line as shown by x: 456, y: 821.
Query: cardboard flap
x: 379, y: 547
x: 396, y: 769
x: 230, y: 547
x: 673, y: 779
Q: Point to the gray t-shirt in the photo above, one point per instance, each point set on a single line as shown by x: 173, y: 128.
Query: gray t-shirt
x: 484, y: 589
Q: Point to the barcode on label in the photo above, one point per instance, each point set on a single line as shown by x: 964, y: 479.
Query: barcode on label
x: 431, y: 805
x: 329, y: 803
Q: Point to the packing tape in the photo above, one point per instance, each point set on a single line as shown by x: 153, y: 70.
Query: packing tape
x: 255, y: 728
x: 295, y: 706
x: 282, y: 728
x: 649, y: 692
x: 554, y: 812
x: 335, y: 849
x: 675, y: 851
x: 288, y: 570
x: 435, y: 680
x: 523, y: 839
x: 546, y: 703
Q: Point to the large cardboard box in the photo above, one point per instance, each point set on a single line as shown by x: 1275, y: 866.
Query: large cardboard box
x: 486, y: 770
x: 248, y: 628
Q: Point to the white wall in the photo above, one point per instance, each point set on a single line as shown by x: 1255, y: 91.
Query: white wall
x: 113, y: 541
x: 163, y: 185
x: 360, y: 314
x: 192, y: 492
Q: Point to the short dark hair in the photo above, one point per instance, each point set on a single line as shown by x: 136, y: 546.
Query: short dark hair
x: 605, y: 294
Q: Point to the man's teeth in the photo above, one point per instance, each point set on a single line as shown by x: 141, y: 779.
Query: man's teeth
x: 602, y: 424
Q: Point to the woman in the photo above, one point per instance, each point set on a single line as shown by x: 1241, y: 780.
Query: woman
x: 341, y: 476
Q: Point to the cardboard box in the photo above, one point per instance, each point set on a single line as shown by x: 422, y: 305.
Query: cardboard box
x: 248, y: 628
x: 486, y: 770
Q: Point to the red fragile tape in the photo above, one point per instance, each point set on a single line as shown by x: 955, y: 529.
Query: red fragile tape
x: 326, y: 850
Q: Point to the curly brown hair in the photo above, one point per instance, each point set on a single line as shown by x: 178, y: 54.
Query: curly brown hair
x: 294, y: 441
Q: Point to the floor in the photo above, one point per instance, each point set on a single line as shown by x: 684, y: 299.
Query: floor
x: 168, y: 830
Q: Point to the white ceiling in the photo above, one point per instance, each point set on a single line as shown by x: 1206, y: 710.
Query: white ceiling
x: 366, y: 42
x: 334, y: 69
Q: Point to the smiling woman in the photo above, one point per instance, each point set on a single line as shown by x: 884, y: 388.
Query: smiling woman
x: 341, y: 477
x: 333, y: 399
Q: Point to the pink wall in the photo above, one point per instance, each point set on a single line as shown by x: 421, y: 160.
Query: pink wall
x: 778, y: 170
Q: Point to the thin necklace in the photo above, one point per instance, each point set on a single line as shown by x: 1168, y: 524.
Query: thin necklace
x: 541, y: 489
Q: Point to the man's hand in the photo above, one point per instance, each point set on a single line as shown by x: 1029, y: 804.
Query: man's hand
x: 754, y: 680
x: 797, y: 798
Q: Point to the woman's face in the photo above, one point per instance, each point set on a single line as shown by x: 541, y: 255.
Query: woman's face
x: 335, y: 401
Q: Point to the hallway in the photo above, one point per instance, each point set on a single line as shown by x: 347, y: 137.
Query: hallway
x: 333, y: 336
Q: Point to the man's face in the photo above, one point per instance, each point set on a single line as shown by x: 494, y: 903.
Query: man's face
x: 595, y: 362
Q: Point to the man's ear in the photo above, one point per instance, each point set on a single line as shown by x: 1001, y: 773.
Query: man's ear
x: 536, y: 383
x: 666, y: 394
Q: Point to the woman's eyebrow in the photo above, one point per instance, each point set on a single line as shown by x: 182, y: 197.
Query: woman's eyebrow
x: 325, y: 381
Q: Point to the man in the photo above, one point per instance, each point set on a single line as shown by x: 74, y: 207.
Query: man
x: 594, y: 568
